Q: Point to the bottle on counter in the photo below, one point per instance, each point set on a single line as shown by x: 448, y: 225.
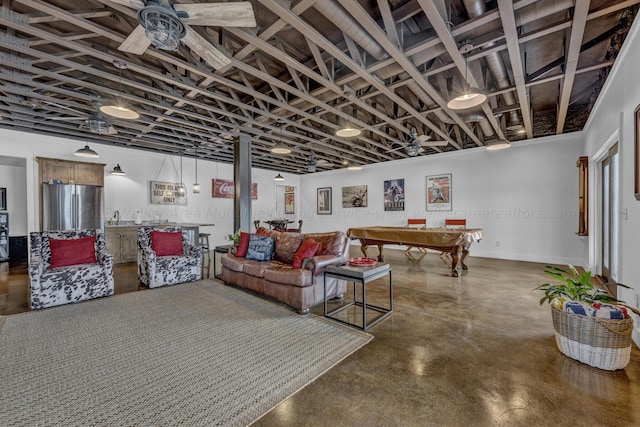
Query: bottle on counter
x: 137, y: 219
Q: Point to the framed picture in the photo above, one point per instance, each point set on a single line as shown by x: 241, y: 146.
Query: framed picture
x: 354, y: 197
x: 637, y: 153
x: 289, y: 203
x: 289, y: 188
x: 439, y: 192
x: 394, y: 195
x: 167, y: 193
x: 323, y: 202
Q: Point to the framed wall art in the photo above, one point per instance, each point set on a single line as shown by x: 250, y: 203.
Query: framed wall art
x: 354, y: 197
x: 323, y: 202
x: 394, y: 195
x: 439, y: 192
x: 289, y: 203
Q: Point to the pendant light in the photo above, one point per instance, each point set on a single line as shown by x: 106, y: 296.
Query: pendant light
x: 181, y: 189
x: 119, y: 109
x: 118, y: 171
x: 349, y: 131
x: 498, y: 144
x: 471, y: 96
x: 278, y: 178
x: 280, y: 148
x: 86, y: 152
x: 196, y: 186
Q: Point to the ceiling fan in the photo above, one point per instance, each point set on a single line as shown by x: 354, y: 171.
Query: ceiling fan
x: 416, y: 142
x: 95, y: 122
x: 165, y: 24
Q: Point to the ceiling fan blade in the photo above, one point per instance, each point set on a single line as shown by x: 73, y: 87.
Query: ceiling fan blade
x: 136, y: 4
x: 136, y: 43
x: 112, y: 131
x: 235, y: 14
x: 435, y: 143
x: 206, y: 50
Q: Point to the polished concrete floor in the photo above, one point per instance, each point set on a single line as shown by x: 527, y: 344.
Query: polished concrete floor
x: 476, y: 350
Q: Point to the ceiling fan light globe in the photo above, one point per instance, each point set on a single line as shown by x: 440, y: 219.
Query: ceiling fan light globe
x: 413, y: 150
x: 162, y: 26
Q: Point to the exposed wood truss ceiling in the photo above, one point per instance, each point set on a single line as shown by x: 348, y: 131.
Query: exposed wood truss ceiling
x: 309, y: 67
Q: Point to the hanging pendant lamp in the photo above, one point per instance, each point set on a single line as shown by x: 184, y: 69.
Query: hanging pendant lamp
x: 280, y: 148
x: 471, y: 96
x: 278, y: 178
x: 196, y: 186
x: 117, y: 171
x: 120, y: 109
x: 86, y: 152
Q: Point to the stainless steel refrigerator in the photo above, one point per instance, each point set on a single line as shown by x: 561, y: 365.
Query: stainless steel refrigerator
x: 71, y: 207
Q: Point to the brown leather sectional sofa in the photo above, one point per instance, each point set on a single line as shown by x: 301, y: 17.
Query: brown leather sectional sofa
x: 301, y: 288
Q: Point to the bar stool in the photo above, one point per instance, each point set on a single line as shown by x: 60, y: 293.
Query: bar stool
x: 204, y: 241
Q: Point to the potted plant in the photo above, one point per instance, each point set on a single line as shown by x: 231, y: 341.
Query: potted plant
x: 235, y: 238
x: 599, y: 342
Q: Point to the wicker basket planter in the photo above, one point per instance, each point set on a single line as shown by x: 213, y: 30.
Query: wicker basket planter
x: 601, y: 343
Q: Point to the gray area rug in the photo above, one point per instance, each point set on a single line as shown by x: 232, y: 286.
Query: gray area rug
x: 196, y: 354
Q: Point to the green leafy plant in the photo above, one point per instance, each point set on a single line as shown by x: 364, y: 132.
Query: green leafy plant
x: 235, y: 237
x: 575, y: 287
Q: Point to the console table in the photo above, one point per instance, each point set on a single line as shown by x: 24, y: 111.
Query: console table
x: 361, y: 275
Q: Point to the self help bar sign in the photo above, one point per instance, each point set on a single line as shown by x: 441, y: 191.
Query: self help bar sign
x: 166, y: 193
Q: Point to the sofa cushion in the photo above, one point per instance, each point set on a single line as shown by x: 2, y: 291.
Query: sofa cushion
x: 306, y: 250
x: 233, y: 263
x: 241, y: 252
x: 287, y: 275
x: 260, y: 248
x: 328, y: 243
x: 286, y: 246
x: 256, y: 268
x: 166, y: 243
x: 68, y: 252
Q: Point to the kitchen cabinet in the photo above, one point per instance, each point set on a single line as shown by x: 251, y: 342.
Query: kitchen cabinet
x: 68, y: 171
x: 122, y: 243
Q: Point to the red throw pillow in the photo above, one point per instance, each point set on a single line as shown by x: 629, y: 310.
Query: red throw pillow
x: 166, y: 243
x: 307, y: 249
x: 72, y: 251
x: 244, y: 244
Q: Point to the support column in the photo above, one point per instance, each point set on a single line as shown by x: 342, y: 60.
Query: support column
x: 242, y: 183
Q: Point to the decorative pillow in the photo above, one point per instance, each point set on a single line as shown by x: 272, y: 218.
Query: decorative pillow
x: 244, y: 245
x: 307, y: 249
x: 72, y: 251
x: 260, y: 248
x: 286, y: 246
x: 166, y: 243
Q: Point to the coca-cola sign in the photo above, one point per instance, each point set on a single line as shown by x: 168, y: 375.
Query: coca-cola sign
x: 224, y: 189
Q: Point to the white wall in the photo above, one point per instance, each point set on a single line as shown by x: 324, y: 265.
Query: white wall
x: 525, y: 197
x: 13, y: 178
x: 612, y: 118
x: 130, y: 193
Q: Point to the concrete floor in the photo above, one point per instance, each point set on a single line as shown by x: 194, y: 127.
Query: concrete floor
x: 476, y: 350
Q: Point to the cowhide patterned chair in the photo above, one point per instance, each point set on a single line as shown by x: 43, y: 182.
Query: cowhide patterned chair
x: 161, y: 262
x: 78, y: 269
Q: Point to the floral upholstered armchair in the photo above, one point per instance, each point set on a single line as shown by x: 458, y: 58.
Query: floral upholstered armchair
x: 165, y: 257
x: 68, y: 266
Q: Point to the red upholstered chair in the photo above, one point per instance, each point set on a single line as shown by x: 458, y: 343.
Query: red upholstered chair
x: 453, y: 223
x: 419, y: 223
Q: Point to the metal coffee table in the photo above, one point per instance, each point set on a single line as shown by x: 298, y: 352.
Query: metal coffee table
x: 361, y: 275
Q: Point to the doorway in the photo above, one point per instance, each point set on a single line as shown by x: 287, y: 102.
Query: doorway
x: 609, y: 202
